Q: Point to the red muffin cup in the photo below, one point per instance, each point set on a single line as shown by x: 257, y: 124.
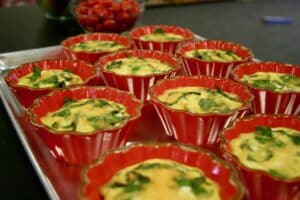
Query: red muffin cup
x: 196, y: 66
x: 280, y: 102
x: 26, y: 95
x: 168, y: 47
x: 198, y: 129
x: 75, y: 148
x: 97, y: 174
x: 137, y: 85
x: 261, y: 185
x: 92, y: 57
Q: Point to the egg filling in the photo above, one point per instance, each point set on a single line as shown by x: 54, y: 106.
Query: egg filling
x: 273, y: 81
x: 200, y: 100
x: 49, y: 78
x: 159, y: 35
x: 96, y: 46
x: 160, y: 179
x: 86, y: 115
x: 273, y: 150
x: 217, y: 55
x: 137, y: 66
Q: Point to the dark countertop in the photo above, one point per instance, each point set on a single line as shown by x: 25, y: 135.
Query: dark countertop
x: 25, y: 28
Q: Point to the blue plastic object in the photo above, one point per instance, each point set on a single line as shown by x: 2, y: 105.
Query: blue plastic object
x: 276, y: 20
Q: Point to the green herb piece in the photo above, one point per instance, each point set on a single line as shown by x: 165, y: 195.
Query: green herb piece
x: 219, y: 91
x: 184, y: 95
x: 72, y: 126
x: 263, y: 134
x: 264, y: 84
x: 90, y: 101
x: 295, y: 139
x: 287, y: 77
x: 95, y: 118
x: 196, y: 184
x: 55, y: 125
x: 114, y: 65
x: 68, y: 71
x: 158, y: 31
x: 36, y: 74
x: 134, y: 182
x: 245, y: 145
x: 50, y: 80
x: 101, y: 103
x: 135, y: 69
x: 207, y: 104
x: 68, y: 101
x: 63, y: 113
x: 261, y: 156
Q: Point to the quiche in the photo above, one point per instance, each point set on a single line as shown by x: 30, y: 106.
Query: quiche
x: 54, y: 78
x: 137, y: 66
x: 86, y: 115
x: 275, y: 151
x: 160, y: 179
x: 217, y: 55
x: 97, y: 46
x: 273, y: 81
x: 159, y: 35
x: 200, y: 100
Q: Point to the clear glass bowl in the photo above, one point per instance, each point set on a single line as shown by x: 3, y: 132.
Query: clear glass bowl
x: 106, y: 15
x: 55, y: 9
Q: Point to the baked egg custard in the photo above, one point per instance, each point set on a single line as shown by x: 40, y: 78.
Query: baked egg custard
x: 272, y: 150
x: 159, y: 35
x: 137, y: 66
x: 96, y: 46
x: 86, y: 115
x: 49, y: 78
x: 217, y: 55
x: 200, y: 100
x: 273, y: 81
x: 160, y: 179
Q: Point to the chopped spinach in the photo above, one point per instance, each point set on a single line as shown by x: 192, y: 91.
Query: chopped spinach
x: 295, y: 139
x: 264, y: 84
x: 263, y: 134
x: 36, y: 74
x: 114, y: 65
x: 68, y: 101
x: 95, y: 118
x: 158, y: 31
x: 219, y: 91
x: 63, y: 113
x: 135, y: 69
x: 196, y: 184
x: 207, y: 104
x: 287, y: 77
x: 134, y: 182
x: 151, y: 166
x: 260, y: 156
x: 101, y: 103
x: 184, y: 95
x: 55, y: 125
x: 68, y: 71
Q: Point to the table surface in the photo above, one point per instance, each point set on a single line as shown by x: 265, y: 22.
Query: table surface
x: 237, y: 21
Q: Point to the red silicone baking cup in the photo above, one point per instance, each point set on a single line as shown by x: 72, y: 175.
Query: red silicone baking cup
x: 137, y: 85
x: 75, y: 148
x: 267, y: 101
x: 168, y: 47
x: 261, y: 185
x: 26, y: 95
x: 92, y: 57
x: 96, y: 175
x: 196, y: 66
x: 198, y: 129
